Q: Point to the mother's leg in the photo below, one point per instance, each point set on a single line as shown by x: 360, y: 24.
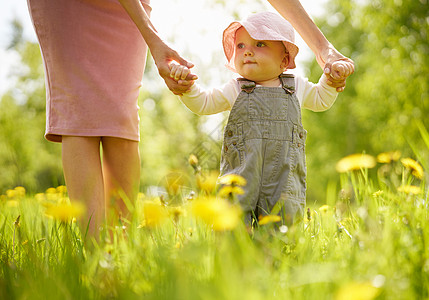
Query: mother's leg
x: 84, y: 177
x: 121, y: 169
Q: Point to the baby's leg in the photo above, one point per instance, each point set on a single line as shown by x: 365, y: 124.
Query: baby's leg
x: 121, y: 170
x: 84, y: 177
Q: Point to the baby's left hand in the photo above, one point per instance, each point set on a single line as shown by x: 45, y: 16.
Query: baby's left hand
x: 179, y: 74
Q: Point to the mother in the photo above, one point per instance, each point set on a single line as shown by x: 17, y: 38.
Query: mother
x: 94, y: 58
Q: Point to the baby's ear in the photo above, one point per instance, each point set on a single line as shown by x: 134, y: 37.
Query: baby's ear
x: 285, y: 62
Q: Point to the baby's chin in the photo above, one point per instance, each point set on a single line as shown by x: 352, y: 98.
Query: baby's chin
x: 268, y: 80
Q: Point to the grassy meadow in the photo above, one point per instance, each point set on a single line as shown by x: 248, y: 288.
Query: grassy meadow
x: 368, y: 242
x: 364, y: 234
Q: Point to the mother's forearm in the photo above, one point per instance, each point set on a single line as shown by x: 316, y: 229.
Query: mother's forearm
x: 139, y: 16
x: 293, y: 11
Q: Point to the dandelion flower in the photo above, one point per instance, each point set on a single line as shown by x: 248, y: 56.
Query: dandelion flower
x: 20, y: 191
x: 357, y: 291
x: 175, y: 212
x: 217, y: 213
x: 377, y: 193
x: 410, y: 189
x: 65, y: 211
x: 324, y: 208
x: 233, y: 179
x: 154, y: 214
x: 269, y: 219
x: 228, y: 191
x: 355, y: 162
x: 193, y: 160
x: 207, y: 182
x: 51, y: 191
x: 11, y: 194
x: 61, y: 189
x: 415, y: 167
x: 388, y: 157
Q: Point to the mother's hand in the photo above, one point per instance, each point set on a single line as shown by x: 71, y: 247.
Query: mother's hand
x: 163, y: 55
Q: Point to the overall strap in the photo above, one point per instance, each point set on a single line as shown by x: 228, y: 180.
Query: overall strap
x: 288, y: 82
x: 246, y: 85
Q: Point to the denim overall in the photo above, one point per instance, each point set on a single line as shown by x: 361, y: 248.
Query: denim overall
x: 264, y: 142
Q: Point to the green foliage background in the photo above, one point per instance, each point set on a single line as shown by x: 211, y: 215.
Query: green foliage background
x: 389, y: 92
x: 388, y: 40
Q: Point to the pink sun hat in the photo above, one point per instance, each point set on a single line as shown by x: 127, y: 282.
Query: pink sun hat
x: 264, y: 26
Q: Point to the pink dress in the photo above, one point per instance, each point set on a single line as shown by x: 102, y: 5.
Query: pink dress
x: 94, y: 58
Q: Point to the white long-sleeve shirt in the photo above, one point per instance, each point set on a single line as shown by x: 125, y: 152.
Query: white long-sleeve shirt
x: 315, y: 97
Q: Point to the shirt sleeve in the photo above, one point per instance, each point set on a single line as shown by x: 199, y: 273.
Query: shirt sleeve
x: 207, y: 102
x: 316, y: 97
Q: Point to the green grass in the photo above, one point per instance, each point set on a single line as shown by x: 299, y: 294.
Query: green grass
x: 371, y: 242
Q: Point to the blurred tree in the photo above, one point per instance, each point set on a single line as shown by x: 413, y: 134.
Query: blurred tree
x: 25, y: 157
x: 388, y: 40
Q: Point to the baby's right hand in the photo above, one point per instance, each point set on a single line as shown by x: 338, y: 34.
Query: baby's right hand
x: 179, y: 74
x: 338, y: 72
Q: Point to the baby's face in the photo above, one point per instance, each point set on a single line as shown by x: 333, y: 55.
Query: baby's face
x: 259, y: 61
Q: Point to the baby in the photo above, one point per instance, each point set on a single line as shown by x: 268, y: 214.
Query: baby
x: 264, y: 139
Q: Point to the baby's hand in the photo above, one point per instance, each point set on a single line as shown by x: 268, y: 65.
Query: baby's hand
x: 179, y: 73
x: 339, y: 71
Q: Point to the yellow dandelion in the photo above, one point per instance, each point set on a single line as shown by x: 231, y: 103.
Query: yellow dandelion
x: 11, y: 194
x: 324, y: 208
x: 207, y: 182
x: 410, y: 189
x: 233, y: 179
x: 269, y: 219
x: 355, y: 162
x: 415, y: 167
x: 51, y: 191
x: 20, y: 191
x: 154, y: 214
x: 357, y: 291
x: 388, y: 157
x: 61, y: 189
x: 193, y: 160
x: 217, y: 213
x: 65, y: 211
x: 228, y: 219
x: 175, y: 212
x: 52, y: 195
x: 378, y: 193
x: 228, y: 191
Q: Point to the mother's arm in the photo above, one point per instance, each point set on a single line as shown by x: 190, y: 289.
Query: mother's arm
x: 330, y: 60
x: 162, y: 54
